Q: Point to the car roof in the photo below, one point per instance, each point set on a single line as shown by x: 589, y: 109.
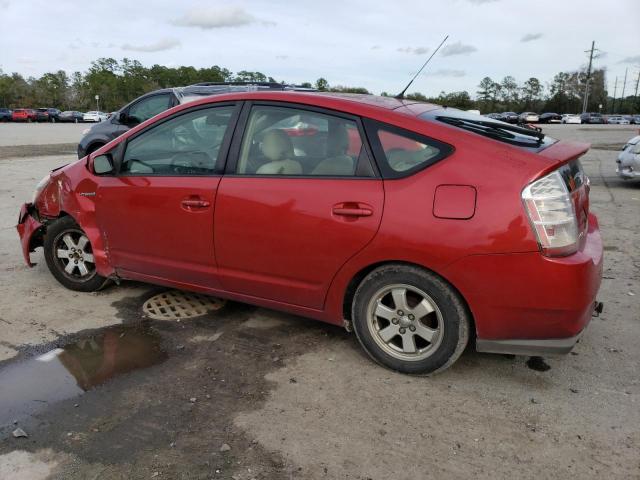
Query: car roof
x: 335, y: 100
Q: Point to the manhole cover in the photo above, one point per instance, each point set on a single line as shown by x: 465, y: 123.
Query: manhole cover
x: 175, y: 305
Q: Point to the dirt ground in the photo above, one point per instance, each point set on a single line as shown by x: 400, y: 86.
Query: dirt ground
x: 246, y: 393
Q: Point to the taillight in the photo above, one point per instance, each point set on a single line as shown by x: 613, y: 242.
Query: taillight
x: 551, y: 210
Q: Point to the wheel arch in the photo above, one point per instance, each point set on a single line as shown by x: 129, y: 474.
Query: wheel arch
x: 360, y: 275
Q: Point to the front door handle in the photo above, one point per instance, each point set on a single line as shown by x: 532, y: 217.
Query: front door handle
x: 351, y: 209
x: 191, y: 204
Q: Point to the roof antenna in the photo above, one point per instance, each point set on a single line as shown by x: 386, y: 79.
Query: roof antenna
x: 400, y: 96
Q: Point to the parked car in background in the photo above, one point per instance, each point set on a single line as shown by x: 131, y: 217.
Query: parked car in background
x: 617, y: 120
x: 549, y: 117
x: 570, y: 118
x: 509, y: 117
x: 494, y: 116
x: 71, y: 116
x: 94, y: 116
x: 47, y: 114
x: 153, y: 103
x: 24, y: 115
x: 629, y: 159
x: 5, y: 115
x: 635, y: 119
x: 528, y: 117
x: 591, y: 117
x: 420, y: 227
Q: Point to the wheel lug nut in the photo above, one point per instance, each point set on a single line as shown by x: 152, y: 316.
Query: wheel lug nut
x: 75, y: 261
x: 394, y: 321
x: 400, y: 312
x: 403, y: 331
x: 411, y: 317
x: 412, y: 328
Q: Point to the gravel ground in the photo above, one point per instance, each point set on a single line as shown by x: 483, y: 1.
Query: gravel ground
x: 293, y: 398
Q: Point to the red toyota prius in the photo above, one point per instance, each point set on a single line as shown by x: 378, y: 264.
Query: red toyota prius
x: 418, y: 226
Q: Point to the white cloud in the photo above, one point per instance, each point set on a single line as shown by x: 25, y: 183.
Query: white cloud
x: 529, y: 37
x: 458, y: 48
x: 215, y: 17
x: 415, y: 51
x: 159, y: 46
x: 633, y: 59
x: 448, y: 72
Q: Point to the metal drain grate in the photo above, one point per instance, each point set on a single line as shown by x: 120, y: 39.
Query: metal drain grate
x: 175, y: 305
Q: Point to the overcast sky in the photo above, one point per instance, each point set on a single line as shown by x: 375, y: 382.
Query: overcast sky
x: 374, y: 44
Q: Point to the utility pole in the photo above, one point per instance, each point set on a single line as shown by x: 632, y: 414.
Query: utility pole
x: 586, y: 86
x: 624, y: 84
x: 635, y: 95
x: 615, y: 90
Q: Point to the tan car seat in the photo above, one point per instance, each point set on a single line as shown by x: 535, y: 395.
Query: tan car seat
x: 277, y: 147
x: 337, y: 161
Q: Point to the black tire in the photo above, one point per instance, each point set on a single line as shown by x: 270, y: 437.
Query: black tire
x: 94, y: 147
x: 54, y: 241
x: 450, y: 320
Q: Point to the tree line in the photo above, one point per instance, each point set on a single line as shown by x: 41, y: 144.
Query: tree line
x: 119, y: 82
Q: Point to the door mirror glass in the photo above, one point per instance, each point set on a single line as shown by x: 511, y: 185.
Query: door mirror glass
x: 103, y: 164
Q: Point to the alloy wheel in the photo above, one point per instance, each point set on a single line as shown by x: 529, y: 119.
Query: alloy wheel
x: 74, y: 255
x: 405, y: 322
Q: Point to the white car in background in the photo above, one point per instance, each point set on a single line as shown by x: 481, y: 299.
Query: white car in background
x: 618, y: 120
x: 629, y: 159
x: 528, y: 117
x: 94, y: 116
x: 570, y: 118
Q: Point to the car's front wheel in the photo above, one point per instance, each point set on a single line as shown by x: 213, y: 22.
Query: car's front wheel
x: 410, y: 320
x: 69, y: 256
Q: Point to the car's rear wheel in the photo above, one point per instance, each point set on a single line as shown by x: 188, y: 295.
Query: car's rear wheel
x: 410, y: 320
x: 69, y: 256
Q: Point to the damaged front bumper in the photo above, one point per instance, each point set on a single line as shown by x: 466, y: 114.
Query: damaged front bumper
x: 29, y: 229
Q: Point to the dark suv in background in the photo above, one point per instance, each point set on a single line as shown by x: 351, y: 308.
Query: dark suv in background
x: 5, y: 115
x: 47, y: 115
x: 153, y: 103
x: 591, y: 118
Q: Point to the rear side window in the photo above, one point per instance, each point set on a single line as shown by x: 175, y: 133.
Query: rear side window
x: 400, y: 152
x: 150, y: 107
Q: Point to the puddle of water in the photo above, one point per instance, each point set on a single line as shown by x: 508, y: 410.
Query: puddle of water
x: 30, y: 386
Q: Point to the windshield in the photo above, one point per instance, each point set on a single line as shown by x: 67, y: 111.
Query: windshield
x: 488, y: 127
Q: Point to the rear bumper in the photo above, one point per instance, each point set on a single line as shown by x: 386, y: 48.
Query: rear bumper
x: 27, y: 227
x: 531, y: 304
x: 538, y: 347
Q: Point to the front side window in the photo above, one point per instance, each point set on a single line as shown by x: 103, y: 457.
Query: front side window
x: 149, y: 107
x: 291, y: 141
x: 185, y: 145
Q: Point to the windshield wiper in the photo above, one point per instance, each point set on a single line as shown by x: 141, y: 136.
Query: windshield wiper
x: 499, y: 131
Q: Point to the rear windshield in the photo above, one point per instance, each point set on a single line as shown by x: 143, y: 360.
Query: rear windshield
x: 491, y: 128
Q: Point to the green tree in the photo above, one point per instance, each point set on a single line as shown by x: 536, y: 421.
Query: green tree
x: 322, y: 84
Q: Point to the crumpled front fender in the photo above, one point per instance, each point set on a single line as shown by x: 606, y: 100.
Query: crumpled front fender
x: 27, y: 227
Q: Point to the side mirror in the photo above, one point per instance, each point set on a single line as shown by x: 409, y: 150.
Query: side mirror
x: 103, y: 164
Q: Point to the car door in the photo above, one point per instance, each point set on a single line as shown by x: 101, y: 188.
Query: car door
x: 156, y: 214
x: 300, y: 196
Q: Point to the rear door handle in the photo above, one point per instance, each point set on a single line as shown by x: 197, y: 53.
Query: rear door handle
x: 352, y: 210
x: 190, y: 204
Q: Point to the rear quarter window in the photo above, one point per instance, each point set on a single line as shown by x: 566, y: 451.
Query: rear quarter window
x: 400, y: 153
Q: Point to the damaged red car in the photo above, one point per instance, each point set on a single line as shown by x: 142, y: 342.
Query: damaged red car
x: 420, y: 227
